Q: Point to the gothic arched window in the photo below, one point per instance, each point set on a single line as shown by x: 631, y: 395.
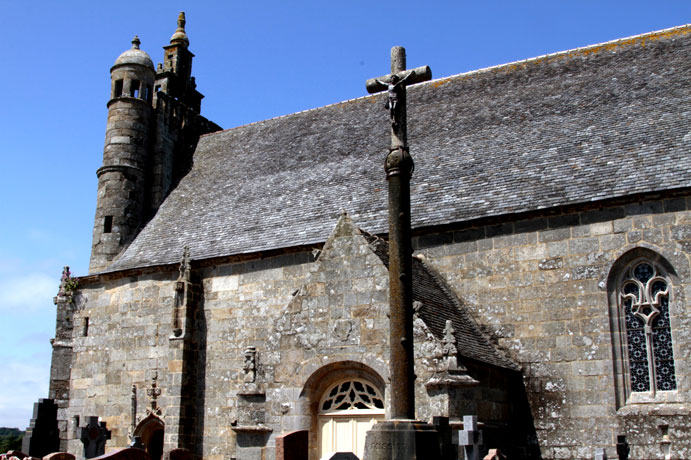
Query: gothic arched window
x: 642, y: 297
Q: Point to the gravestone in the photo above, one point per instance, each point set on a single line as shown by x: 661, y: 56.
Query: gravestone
x: 494, y: 454
x: 42, y: 437
x: 179, y: 454
x: 129, y: 453
x: 623, y: 448
x: 470, y: 438
x: 136, y: 442
x: 59, y: 456
x: 344, y: 456
x: 449, y: 451
x: 600, y: 453
x: 94, y: 436
x: 293, y: 445
x: 16, y: 454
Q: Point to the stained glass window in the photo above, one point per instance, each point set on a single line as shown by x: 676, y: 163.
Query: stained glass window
x: 644, y: 299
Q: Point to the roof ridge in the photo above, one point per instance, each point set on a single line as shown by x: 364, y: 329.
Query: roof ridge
x: 579, y: 51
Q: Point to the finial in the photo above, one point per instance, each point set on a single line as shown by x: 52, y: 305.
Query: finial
x: 181, y: 21
x: 154, y: 392
x: 449, y: 340
x: 180, y: 37
x: 136, y: 42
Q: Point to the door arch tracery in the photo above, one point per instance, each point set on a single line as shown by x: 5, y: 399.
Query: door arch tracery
x: 347, y: 410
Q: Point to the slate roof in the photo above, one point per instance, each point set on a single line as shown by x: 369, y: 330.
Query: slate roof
x: 439, y: 304
x: 580, y: 126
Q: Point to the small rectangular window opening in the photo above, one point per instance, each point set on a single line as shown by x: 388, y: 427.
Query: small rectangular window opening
x: 85, y: 330
x: 135, y: 88
x: 158, y: 88
x: 147, y: 93
x: 117, y: 91
x: 107, y: 224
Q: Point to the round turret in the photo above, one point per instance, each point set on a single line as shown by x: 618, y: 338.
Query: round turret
x: 122, y: 178
x: 133, y: 74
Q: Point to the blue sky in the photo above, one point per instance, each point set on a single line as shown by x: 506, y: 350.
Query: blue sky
x: 254, y: 60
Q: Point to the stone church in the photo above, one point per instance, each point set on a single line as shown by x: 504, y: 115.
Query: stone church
x: 237, y: 298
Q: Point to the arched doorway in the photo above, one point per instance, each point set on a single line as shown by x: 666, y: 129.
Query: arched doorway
x: 347, y: 410
x: 150, y: 433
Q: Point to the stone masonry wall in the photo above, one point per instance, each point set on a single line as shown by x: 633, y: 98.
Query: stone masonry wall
x: 540, y: 287
x: 127, y: 342
x: 240, y: 303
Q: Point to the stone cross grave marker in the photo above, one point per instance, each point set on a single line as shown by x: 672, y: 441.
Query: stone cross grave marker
x: 94, y: 436
x: 470, y: 438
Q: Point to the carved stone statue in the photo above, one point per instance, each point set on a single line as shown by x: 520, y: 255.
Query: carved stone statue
x: 250, y: 366
x: 184, y: 269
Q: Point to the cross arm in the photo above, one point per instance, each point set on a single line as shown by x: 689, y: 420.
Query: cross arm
x: 417, y: 75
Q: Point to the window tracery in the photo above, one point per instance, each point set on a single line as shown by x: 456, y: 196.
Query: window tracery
x: 352, y: 395
x: 643, y: 295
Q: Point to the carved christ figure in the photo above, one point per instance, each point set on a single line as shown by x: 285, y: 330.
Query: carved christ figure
x: 394, y: 86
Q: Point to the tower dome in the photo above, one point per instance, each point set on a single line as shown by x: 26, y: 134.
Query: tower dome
x: 180, y: 36
x: 135, y: 56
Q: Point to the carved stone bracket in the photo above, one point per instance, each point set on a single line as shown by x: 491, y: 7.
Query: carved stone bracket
x: 251, y: 429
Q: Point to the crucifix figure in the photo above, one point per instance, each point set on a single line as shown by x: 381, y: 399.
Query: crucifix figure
x: 399, y: 168
x: 395, y: 84
x: 394, y: 87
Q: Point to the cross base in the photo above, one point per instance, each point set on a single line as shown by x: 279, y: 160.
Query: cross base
x: 402, y: 440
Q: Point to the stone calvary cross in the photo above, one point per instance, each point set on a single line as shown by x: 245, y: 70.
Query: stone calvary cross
x: 399, y: 168
x: 400, y: 437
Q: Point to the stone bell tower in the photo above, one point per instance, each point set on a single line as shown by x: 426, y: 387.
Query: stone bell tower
x: 154, y: 124
x: 122, y: 178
